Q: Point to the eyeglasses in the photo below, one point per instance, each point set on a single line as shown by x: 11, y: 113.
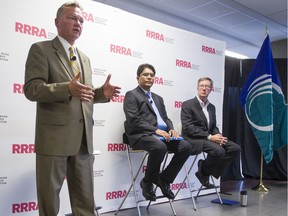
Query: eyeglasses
x: 204, y: 86
x: 148, y: 74
x: 76, y: 19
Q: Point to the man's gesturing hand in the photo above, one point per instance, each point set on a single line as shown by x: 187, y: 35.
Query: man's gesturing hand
x: 77, y: 89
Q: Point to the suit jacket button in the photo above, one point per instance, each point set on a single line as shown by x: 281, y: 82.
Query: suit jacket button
x: 81, y: 120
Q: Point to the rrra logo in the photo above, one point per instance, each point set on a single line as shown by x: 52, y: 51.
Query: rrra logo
x: 158, y: 80
x: 18, y: 88
x: 30, y: 30
x: 120, y: 50
x: 118, y: 99
x: 88, y: 17
x: 178, y: 104
x: 115, y: 194
x: 208, y: 50
x: 24, y: 207
x: 144, y: 168
x: 22, y: 148
x: 116, y: 147
x: 154, y: 35
x: 184, y: 64
x: 177, y: 186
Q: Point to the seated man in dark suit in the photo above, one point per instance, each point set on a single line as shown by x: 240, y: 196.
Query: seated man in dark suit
x: 146, y: 123
x: 198, y: 119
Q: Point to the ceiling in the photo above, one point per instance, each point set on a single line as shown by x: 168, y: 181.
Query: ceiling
x: 241, y: 24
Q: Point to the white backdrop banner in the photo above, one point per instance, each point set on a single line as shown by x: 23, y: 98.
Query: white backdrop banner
x: 116, y: 42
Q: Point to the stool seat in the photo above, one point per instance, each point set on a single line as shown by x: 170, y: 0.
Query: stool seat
x: 96, y: 152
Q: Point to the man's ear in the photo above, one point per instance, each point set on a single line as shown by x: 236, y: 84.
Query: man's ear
x: 56, y: 21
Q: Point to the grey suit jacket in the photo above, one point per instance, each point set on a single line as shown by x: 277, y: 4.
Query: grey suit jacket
x: 60, y: 119
x: 141, y: 119
x: 195, y: 127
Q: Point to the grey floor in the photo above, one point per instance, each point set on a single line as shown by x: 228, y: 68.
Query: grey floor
x: 271, y: 203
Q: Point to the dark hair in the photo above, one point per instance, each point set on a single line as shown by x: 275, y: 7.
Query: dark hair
x: 66, y: 5
x: 206, y: 78
x: 143, y: 66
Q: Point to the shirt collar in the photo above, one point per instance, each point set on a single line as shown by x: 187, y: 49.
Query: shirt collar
x: 202, y: 103
x: 66, y: 45
x: 145, y: 91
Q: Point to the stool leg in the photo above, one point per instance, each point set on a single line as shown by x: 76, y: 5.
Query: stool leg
x: 170, y: 201
x: 189, y: 185
x: 172, y: 207
x: 133, y: 179
x: 199, y: 190
x: 219, y: 197
x: 96, y: 210
x: 187, y: 173
x: 215, y: 187
x: 163, y: 167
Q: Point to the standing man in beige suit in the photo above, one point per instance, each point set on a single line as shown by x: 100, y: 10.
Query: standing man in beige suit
x: 64, y: 121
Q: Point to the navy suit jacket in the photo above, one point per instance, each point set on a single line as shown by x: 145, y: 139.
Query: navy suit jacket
x: 141, y: 119
x: 195, y: 128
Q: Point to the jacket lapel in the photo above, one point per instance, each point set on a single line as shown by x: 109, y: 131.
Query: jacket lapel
x: 210, y: 116
x: 201, y: 113
x: 83, y: 64
x: 60, y: 52
x: 144, y: 97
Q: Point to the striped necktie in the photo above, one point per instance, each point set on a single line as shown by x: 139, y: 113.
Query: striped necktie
x: 73, y: 61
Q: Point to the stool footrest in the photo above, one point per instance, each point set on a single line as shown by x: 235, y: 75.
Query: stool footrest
x: 159, y: 197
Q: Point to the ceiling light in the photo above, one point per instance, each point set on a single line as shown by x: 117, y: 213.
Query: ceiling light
x: 235, y: 55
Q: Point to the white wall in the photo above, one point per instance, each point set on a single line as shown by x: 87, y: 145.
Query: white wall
x: 30, y: 21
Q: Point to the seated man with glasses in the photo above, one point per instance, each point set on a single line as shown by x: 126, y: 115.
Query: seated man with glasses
x: 198, y: 118
x: 148, y: 128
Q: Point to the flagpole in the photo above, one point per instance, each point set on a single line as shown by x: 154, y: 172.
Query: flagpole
x: 253, y: 99
x: 261, y: 187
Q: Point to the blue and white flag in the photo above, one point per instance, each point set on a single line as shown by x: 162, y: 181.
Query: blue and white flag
x: 264, y: 103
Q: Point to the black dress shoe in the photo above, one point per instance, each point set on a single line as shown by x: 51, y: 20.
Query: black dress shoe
x: 165, y: 188
x: 203, y: 179
x: 147, y: 190
x: 200, y: 164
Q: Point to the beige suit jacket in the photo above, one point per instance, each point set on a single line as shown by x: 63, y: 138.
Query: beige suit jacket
x: 60, y: 119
